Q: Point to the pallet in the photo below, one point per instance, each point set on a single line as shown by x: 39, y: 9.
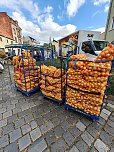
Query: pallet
x: 82, y: 112
x: 25, y: 92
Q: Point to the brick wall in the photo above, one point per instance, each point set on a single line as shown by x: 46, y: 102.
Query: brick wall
x: 5, y: 26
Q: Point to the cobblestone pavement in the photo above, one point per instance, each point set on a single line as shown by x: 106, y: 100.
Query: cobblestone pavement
x: 37, y: 124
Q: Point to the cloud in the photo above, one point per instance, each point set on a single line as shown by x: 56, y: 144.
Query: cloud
x: 41, y: 24
x: 101, y: 29
x: 106, y: 8
x: 20, y: 5
x: 96, y: 13
x: 45, y: 28
x: 100, y: 2
x: 72, y: 7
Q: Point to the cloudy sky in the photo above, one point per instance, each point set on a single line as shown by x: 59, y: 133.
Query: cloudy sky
x: 42, y: 19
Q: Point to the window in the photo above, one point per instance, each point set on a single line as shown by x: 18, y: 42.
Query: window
x: 1, y: 39
x: 100, y: 45
x: 7, y: 41
x: 15, y: 39
x: 11, y: 42
x: 87, y: 48
x: 14, y: 31
x: 113, y: 23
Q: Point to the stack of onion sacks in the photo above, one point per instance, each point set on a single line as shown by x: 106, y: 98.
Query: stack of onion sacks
x: 90, y: 78
x: 51, y: 85
x: 107, y: 53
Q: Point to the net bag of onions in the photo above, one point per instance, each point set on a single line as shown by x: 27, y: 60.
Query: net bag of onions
x: 87, y: 80
x: 52, y: 82
x: 26, y: 72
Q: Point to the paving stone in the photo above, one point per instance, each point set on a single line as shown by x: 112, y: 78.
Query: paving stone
x: 10, y: 107
x: 100, y: 146
x: 92, y: 130
x: 106, y: 138
x: 75, y: 132
x: 7, y: 129
x: 2, y: 110
x: 87, y: 138
x: 7, y: 114
x: 69, y: 139
x: 104, y: 116
x: 16, y: 134
x: 65, y: 125
x: 82, y: 146
x: 14, y: 101
x: 80, y: 126
x: 32, y: 104
x: 25, y: 129
x: 33, y: 124
x: 11, y: 148
x: 40, y: 121
x: 29, y: 118
x: 0, y: 105
x: 56, y: 121
x: 40, y: 98
x: 102, y: 121
x: 112, y: 149
x: 74, y: 149
x: 1, y: 150
x: 109, y: 129
x: 97, y: 126
x: 111, y: 118
x: 110, y: 105
x: 24, y: 142
x: 109, y: 108
x: 16, y: 110
x: 50, y: 137
x: 3, y: 122
x: 59, y: 146
x: 24, y: 113
x: 46, y: 127
x: 106, y: 112
x: 25, y: 107
x: 35, y: 134
x: 58, y: 131
x: 38, y: 146
x: 0, y: 116
x: 86, y: 121
x: 19, y: 123
x: 4, y: 141
x: 0, y: 132
x: 12, y: 118
x: 110, y: 123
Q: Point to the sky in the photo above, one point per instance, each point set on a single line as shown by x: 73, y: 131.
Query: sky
x: 42, y: 19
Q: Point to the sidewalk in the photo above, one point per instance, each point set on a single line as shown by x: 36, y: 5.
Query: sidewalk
x: 41, y: 125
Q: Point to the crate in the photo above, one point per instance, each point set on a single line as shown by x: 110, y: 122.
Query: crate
x: 87, y: 99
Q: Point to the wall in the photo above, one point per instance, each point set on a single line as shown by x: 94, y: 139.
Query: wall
x: 109, y: 31
x: 5, y: 26
x: 5, y: 41
x: 16, y: 31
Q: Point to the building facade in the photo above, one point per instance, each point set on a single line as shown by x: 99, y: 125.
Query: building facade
x: 30, y: 40
x: 109, y: 33
x: 10, y: 32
